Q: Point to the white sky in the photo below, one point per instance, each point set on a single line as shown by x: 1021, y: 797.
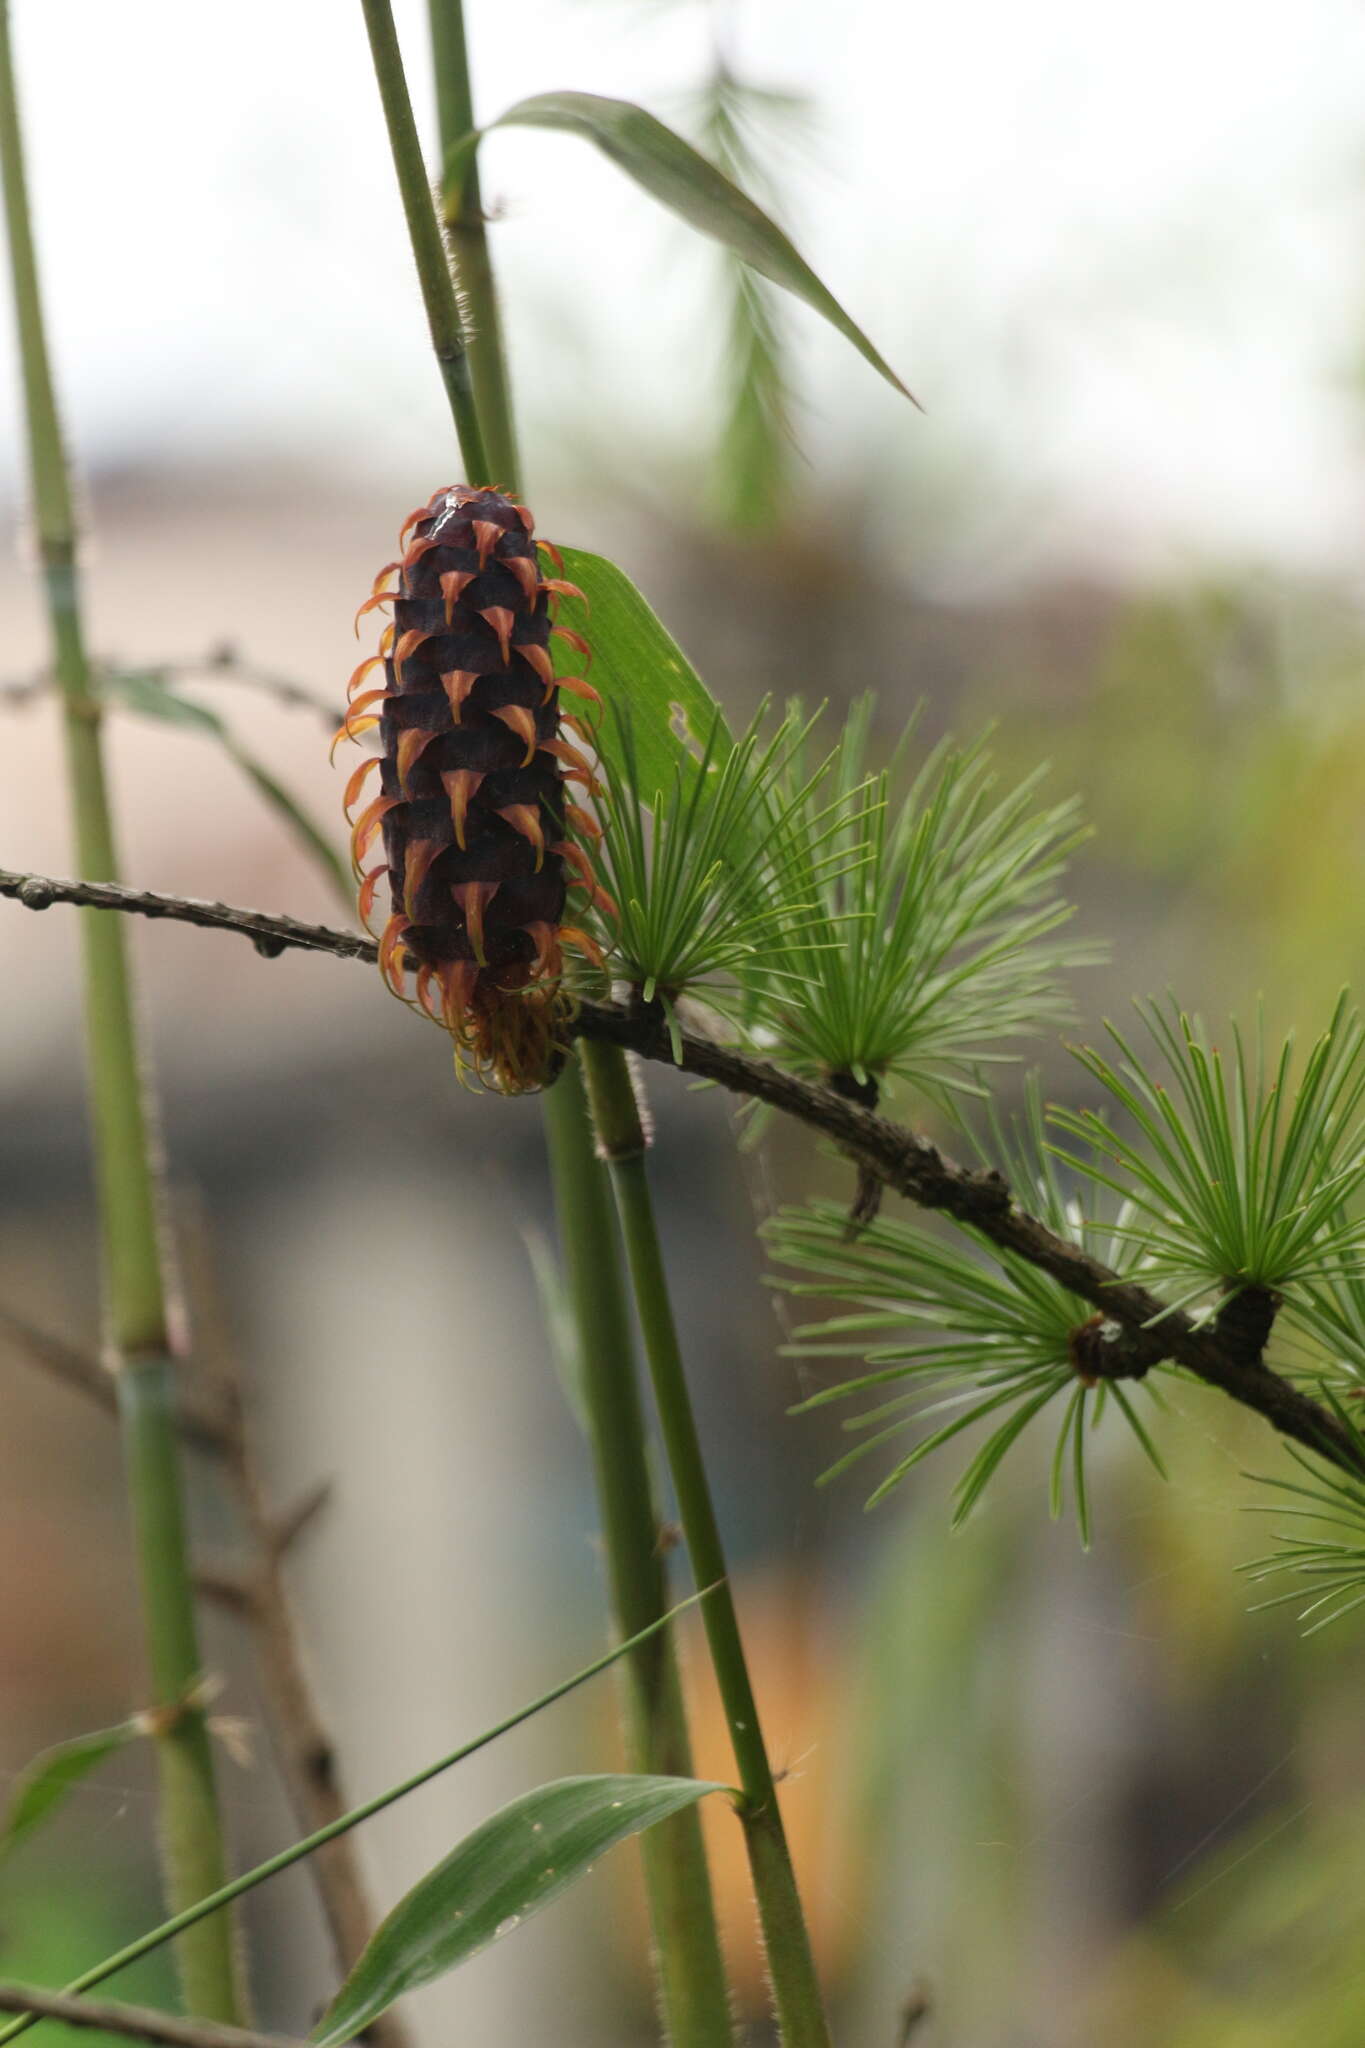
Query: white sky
x: 1117, y: 253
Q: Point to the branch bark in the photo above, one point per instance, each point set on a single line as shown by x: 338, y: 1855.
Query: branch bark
x: 270, y: 935
x: 139, y: 2022
x: 908, y: 1164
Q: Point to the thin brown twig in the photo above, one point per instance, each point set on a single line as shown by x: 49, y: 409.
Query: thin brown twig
x: 139, y: 2022
x: 257, y: 1594
x: 269, y: 935
x: 257, y: 1591
x: 27, y: 689
x: 225, y: 664
x: 205, y: 1419
x: 907, y: 1163
x: 303, y: 1744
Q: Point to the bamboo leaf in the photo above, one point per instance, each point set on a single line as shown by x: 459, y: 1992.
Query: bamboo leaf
x: 637, y: 662
x: 520, y: 1859
x: 238, y: 1887
x: 675, y: 174
x: 754, y: 451
x: 40, y: 1789
x: 150, y: 698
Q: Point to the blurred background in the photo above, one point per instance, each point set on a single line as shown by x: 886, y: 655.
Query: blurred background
x: 1039, y: 1799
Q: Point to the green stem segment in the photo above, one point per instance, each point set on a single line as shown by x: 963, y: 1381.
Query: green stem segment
x: 469, y: 245
x: 424, y: 230
x: 133, y: 1279
x: 796, y: 1989
x: 204, y: 1909
x: 693, y: 1995
x: 190, y: 1831
x: 691, y: 1973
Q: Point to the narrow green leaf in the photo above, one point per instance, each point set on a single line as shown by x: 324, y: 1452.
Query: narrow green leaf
x: 637, y: 662
x: 150, y: 698
x: 520, y: 1859
x: 561, y: 1329
x: 312, y: 837
x: 672, y: 172
x: 40, y: 1789
x: 238, y: 1887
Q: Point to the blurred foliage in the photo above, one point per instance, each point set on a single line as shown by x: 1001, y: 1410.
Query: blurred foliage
x: 1214, y: 726
x: 1216, y: 735
x: 1263, y: 1949
x: 739, y: 126
x: 934, y: 1742
x: 56, y: 1920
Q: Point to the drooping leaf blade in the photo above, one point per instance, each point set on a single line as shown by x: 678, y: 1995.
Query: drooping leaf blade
x: 680, y: 178
x: 636, y: 662
x: 511, y: 1866
x: 147, y: 695
x: 238, y: 1887
x: 311, y: 836
x: 737, y: 125
x: 41, y: 1788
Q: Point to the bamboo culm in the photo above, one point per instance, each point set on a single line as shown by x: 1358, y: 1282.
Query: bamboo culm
x: 791, y: 1965
x: 692, y: 1989
x: 211, y: 1907
x: 134, y: 1287
x: 693, y: 1994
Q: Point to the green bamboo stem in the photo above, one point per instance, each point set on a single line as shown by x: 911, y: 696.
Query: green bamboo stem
x: 204, y: 1909
x: 469, y: 245
x: 693, y: 1994
x: 424, y: 230
x: 133, y: 1279
x: 796, y: 1991
x: 692, y: 1987
x: 791, y: 1966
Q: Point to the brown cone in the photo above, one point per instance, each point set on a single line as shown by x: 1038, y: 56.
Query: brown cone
x: 471, y: 800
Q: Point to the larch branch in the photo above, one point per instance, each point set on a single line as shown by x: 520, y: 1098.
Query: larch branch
x: 907, y: 1163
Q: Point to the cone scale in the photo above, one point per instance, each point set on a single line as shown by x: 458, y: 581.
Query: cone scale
x: 470, y: 808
